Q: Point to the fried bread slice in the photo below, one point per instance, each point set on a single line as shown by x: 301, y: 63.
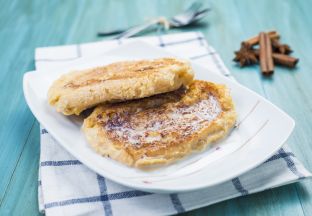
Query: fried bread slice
x: 155, y: 131
x: 76, y: 91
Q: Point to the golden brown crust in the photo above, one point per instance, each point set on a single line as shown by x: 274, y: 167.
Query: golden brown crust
x: 76, y: 91
x: 163, y: 128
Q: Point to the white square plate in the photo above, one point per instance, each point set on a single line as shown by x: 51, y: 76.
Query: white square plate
x: 262, y: 129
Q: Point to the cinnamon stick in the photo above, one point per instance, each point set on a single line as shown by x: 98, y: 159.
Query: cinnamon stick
x: 285, y: 60
x: 262, y: 52
x: 282, y: 59
x: 269, y: 52
x: 266, y: 60
x: 255, y: 40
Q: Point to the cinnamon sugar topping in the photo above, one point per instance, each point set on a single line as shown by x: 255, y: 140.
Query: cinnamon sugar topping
x: 145, y: 127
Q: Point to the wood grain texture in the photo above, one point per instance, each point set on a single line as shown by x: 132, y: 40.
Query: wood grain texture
x: 24, y: 181
x: 25, y: 25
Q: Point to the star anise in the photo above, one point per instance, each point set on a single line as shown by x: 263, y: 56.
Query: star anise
x: 245, y: 56
x: 280, y: 48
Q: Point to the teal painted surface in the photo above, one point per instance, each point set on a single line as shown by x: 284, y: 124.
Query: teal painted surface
x: 25, y: 25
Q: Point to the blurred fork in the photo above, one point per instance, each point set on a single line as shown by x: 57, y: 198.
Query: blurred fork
x: 188, y: 17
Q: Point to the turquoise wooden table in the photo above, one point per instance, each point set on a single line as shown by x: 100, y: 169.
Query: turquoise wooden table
x: 25, y: 25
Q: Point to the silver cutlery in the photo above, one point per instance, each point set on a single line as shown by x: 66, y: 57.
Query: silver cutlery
x: 190, y: 16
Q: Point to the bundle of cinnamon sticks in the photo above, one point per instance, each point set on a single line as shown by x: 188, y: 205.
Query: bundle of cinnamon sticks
x: 270, y: 52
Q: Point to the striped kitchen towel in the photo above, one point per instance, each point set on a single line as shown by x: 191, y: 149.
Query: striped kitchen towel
x: 67, y: 187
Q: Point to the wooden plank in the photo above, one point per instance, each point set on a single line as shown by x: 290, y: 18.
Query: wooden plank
x: 21, y: 194
x: 290, y: 89
x: 16, y: 119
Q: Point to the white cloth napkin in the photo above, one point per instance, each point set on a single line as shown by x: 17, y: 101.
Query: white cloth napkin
x: 67, y: 187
